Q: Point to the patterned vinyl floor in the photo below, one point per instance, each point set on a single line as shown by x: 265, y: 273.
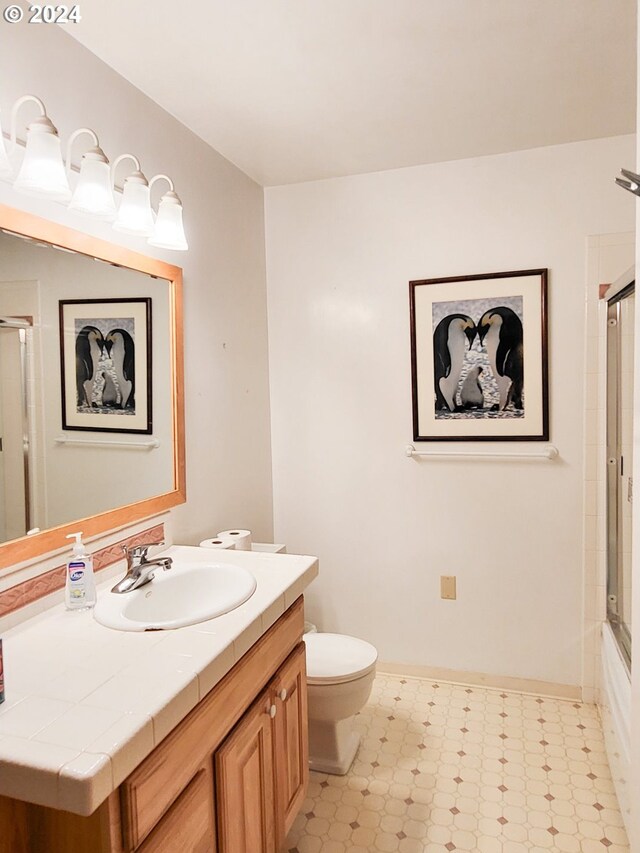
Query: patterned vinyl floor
x: 445, y: 767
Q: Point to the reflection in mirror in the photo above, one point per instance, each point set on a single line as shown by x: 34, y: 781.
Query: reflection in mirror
x: 16, y: 343
x: 51, y: 476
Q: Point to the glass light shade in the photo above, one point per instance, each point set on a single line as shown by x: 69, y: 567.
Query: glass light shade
x: 169, y: 230
x: 134, y: 214
x: 5, y: 163
x: 93, y: 194
x: 42, y: 172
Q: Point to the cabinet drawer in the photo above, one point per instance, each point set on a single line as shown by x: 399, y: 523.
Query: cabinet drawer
x: 189, y: 825
x: 157, y: 782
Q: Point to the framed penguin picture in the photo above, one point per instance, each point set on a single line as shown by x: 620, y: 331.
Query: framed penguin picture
x: 479, y: 357
x: 105, y: 360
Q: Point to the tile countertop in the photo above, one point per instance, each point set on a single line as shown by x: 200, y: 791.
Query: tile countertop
x: 86, y: 704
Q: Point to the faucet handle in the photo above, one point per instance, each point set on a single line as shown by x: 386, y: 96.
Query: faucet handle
x: 130, y: 556
x: 138, y: 552
x: 135, y: 551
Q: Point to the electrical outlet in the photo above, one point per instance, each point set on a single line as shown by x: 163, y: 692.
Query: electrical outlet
x: 448, y: 586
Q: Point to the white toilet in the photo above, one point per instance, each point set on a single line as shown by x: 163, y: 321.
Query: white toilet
x: 340, y: 674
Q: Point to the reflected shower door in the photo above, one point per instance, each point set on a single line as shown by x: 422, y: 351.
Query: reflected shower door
x: 14, y: 433
x: 620, y: 347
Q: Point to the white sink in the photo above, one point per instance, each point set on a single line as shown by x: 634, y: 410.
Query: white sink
x: 197, y: 587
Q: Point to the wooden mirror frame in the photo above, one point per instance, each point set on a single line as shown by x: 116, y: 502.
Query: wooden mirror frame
x: 39, y: 544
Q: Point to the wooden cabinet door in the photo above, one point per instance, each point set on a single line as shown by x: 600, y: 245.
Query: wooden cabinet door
x: 189, y: 825
x: 291, y: 748
x: 245, y: 802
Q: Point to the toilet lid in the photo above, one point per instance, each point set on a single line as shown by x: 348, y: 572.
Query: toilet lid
x: 335, y: 658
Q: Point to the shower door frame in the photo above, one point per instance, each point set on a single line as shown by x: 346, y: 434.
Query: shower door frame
x: 615, y: 468
x: 23, y: 325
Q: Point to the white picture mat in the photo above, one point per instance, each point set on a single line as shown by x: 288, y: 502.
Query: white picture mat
x: 529, y: 287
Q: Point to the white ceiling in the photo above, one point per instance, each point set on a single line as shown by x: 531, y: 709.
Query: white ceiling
x: 297, y: 90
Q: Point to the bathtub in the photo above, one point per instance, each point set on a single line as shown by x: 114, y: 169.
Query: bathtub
x: 615, y: 710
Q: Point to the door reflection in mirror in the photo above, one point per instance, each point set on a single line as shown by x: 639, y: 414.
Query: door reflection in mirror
x: 15, y: 429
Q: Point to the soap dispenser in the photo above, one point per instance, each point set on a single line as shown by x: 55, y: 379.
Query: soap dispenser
x: 80, y: 589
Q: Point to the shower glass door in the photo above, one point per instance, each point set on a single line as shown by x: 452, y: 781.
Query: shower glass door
x: 620, y: 346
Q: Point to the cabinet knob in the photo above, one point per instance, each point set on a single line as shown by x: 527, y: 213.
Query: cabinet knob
x: 283, y: 694
x: 273, y: 711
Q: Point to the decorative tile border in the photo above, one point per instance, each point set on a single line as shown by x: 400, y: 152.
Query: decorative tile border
x: 31, y: 590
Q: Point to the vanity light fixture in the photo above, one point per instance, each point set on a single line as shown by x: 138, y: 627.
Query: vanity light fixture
x: 169, y: 230
x: 93, y: 194
x: 42, y: 172
x: 135, y: 215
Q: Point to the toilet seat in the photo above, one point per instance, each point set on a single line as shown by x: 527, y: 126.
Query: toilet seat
x: 338, y: 658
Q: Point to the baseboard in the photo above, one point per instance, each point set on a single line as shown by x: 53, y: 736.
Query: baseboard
x: 481, y: 679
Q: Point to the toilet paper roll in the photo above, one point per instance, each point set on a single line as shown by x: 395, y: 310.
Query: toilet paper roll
x: 224, y: 542
x: 242, y: 538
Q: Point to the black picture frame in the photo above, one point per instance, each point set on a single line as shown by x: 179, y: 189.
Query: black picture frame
x: 106, y: 365
x: 479, y: 357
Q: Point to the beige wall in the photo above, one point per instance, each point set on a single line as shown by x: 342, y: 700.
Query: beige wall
x: 339, y: 256
x: 226, y: 363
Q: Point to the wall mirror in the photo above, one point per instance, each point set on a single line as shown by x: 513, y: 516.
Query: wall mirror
x: 91, y: 377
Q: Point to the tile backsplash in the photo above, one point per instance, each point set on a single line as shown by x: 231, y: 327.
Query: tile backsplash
x: 23, y: 590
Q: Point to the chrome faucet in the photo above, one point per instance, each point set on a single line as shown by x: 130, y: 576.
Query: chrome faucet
x: 139, y: 569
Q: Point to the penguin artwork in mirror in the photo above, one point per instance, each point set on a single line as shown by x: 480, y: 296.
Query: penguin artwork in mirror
x: 479, y: 357
x: 105, y: 358
x: 105, y: 373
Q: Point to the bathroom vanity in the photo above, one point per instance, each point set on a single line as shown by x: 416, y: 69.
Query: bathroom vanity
x: 111, y: 741
x: 230, y: 776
